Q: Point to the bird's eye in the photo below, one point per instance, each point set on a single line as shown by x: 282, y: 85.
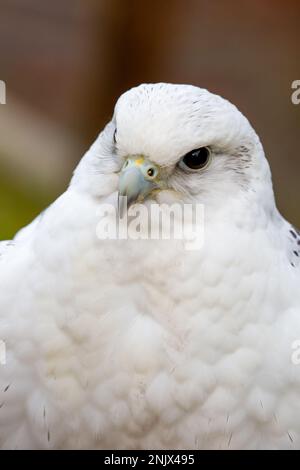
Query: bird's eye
x: 196, y: 159
x: 115, y: 136
x: 150, y: 172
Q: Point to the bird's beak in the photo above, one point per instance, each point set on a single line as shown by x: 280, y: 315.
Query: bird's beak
x: 138, y: 178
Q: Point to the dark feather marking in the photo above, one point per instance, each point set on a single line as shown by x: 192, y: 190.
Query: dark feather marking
x: 261, y: 404
x: 293, y: 233
x: 6, y: 388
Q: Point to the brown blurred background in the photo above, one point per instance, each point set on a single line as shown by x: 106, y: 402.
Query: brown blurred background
x: 65, y: 62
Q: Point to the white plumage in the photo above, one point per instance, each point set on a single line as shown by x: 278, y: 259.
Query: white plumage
x: 141, y: 343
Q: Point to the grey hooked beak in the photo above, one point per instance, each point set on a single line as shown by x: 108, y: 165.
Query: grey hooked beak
x: 138, y: 178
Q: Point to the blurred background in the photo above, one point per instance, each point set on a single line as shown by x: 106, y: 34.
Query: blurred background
x: 65, y: 62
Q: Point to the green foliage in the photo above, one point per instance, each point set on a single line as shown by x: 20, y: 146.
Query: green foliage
x: 19, y: 205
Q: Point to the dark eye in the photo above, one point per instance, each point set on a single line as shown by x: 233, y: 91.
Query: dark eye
x: 196, y: 159
x: 115, y: 136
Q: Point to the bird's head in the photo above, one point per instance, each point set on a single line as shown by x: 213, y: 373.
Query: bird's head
x: 183, y: 143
